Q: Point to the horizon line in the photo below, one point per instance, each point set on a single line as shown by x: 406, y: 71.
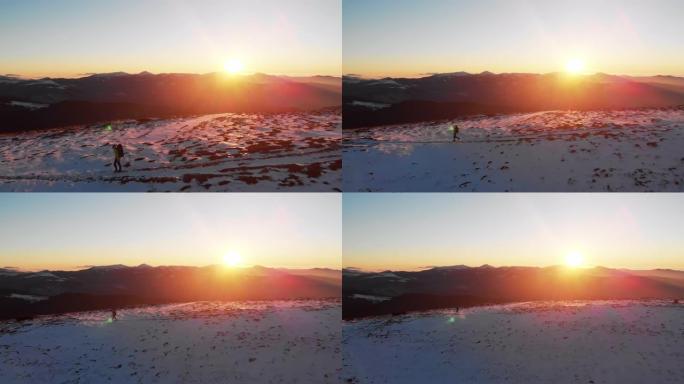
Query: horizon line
x: 426, y: 268
x: 429, y: 74
x: 146, y: 72
x: 86, y: 267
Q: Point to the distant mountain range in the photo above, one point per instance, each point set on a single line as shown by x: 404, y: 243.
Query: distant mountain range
x: 391, y: 292
x: 372, y: 102
x: 53, y: 102
x: 26, y: 294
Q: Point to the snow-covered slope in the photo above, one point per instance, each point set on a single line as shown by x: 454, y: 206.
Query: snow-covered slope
x: 543, y: 342
x: 224, y: 152
x: 630, y: 150
x: 201, y: 342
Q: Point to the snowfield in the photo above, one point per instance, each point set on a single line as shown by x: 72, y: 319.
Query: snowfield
x: 543, y: 342
x: 631, y: 150
x: 223, y: 152
x: 201, y: 342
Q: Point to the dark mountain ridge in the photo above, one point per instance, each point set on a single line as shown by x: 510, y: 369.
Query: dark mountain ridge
x: 445, y: 287
x: 443, y: 96
x: 100, y: 97
x: 25, y: 294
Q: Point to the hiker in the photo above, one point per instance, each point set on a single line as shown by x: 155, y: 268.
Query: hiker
x: 113, y: 313
x: 455, y: 129
x: 118, y: 154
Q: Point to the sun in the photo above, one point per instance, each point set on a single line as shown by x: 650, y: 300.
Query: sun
x: 574, y: 259
x: 574, y: 66
x: 233, y: 66
x: 232, y: 259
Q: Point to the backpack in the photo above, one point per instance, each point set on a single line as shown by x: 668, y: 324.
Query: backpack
x: 120, y: 149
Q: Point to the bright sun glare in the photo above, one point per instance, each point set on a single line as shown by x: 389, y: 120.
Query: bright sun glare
x: 574, y: 260
x: 232, y: 259
x: 233, y: 66
x: 575, y: 66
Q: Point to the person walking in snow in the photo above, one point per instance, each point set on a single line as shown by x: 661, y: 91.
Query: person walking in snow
x: 113, y: 313
x: 455, y: 129
x: 118, y: 154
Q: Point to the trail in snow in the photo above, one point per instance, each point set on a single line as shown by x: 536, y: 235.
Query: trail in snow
x: 224, y: 152
x: 598, y: 151
x: 201, y: 342
x: 544, y: 342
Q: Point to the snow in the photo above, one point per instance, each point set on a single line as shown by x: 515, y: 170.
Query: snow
x: 109, y: 267
x: 43, y: 274
x: 369, y: 105
x: 388, y: 275
x: 452, y: 74
x: 25, y: 104
x: 375, y: 299
x: 350, y: 271
x: 46, y: 82
x: 631, y: 150
x: 30, y: 298
x: 455, y: 267
x: 223, y: 152
x: 201, y: 342
x: 8, y: 272
x: 543, y: 342
x: 387, y: 82
x: 10, y: 79
x: 351, y: 79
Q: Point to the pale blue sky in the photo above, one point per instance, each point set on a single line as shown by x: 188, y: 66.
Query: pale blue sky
x: 410, y: 231
x: 70, y: 230
x: 70, y: 37
x: 404, y: 37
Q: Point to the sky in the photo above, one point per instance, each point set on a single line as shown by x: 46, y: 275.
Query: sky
x: 71, y: 38
x: 415, y: 231
x: 73, y: 231
x: 414, y: 38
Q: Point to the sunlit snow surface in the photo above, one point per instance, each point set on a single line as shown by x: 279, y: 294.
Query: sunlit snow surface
x: 541, y: 342
x: 201, y: 342
x: 224, y: 152
x: 631, y: 150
